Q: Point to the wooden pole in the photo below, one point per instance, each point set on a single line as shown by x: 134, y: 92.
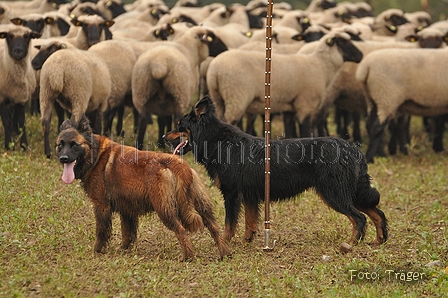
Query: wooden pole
x: 267, y: 125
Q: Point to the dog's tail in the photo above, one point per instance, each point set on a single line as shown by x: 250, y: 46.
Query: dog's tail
x: 367, y: 196
x: 203, y: 206
x: 188, y: 193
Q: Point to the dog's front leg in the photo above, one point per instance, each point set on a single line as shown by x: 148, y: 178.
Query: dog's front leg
x: 251, y: 218
x: 129, y: 225
x: 103, y: 216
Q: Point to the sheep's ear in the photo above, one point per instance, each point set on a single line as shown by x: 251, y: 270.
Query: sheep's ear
x: 76, y: 22
x: 411, y: 38
x: 445, y: 38
x: 16, y: 21
x: 392, y: 29
x: 298, y: 37
x: 35, y: 35
x: 109, y: 23
x: 49, y: 20
x: 330, y: 41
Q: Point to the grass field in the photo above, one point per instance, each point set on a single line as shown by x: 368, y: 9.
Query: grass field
x: 47, y: 232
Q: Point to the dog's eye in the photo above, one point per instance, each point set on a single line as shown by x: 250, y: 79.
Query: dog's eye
x: 74, y: 144
x: 59, y: 146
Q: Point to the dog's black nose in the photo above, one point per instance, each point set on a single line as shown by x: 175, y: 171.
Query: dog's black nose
x: 63, y: 158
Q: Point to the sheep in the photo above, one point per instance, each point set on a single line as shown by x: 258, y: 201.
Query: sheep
x: 44, y: 6
x: 421, y: 19
x: 298, y: 86
x: 358, y: 9
x: 93, y: 29
x: 111, y: 8
x: 394, y: 80
x: 5, y: 14
x: 388, y: 19
x: 165, y: 78
x: 320, y: 5
x: 347, y: 93
x: 120, y: 70
x: 17, y: 82
x: 79, y: 80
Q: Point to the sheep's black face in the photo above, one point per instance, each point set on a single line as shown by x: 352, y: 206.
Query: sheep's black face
x: 18, y: 44
x: 44, y: 53
x: 348, y: 50
x: 34, y: 25
x: 397, y: 20
x: 326, y: 4
x: 116, y: 8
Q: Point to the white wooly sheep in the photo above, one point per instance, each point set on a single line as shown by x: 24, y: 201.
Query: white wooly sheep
x: 421, y: 19
x: 410, y: 81
x: 237, y: 92
x: 92, y: 29
x: 120, y: 60
x: 140, y: 5
x: 346, y: 92
x: 165, y: 78
x: 111, y: 8
x: 320, y: 5
x: 17, y: 82
x: 330, y: 16
x: 79, y: 80
x: 387, y: 20
x: 5, y: 14
x: 194, y: 15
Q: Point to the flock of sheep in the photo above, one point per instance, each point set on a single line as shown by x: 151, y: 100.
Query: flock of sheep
x: 96, y: 57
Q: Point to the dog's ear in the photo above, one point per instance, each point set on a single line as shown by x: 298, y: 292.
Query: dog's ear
x: 66, y: 124
x: 203, y: 106
x: 84, y: 125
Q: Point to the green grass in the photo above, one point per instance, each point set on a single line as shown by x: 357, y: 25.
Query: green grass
x: 47, y: 235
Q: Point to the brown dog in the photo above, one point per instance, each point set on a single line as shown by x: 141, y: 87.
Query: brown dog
x: 123, y: 179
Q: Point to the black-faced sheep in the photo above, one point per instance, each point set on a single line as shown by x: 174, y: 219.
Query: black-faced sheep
x: 399, y: 80
x: 165, y: 78
x: 237, y: 92
x: 320, y: 5
x: 17, y: 82
x: 79, y: 80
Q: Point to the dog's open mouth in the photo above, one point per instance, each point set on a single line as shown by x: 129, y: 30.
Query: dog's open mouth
x: 68, y: 174
x: 178, y: 149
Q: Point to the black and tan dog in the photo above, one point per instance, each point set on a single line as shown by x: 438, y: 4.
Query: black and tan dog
x: 132, y: 183
x: 335, y: 168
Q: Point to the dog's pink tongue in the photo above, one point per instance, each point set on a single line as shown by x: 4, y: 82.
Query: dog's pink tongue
x: 178, y: 147
x: 68, y: 175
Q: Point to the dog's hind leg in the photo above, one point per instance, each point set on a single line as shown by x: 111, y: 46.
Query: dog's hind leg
x: 367, y: 200
x: 103, y: 216
x: 344, y: 206
x: 209, y: 221
x: 379, y: 219
x: 252, y: 213
x: 172, y: 223
x: 129, y: 225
